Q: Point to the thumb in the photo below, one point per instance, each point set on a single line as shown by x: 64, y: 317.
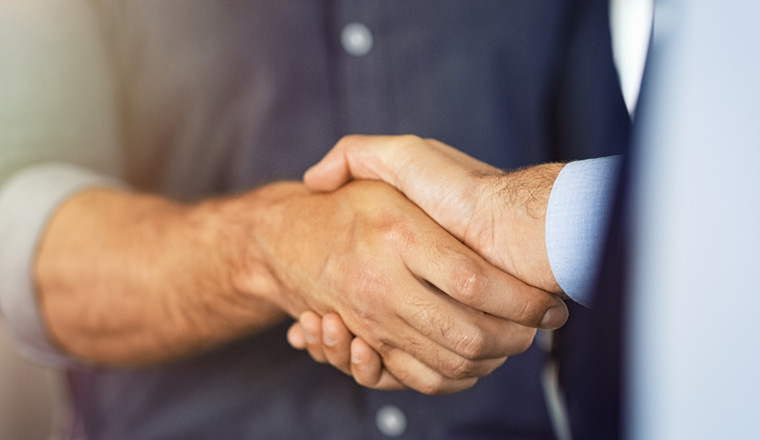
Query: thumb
x: 353, y: 157
x: 329, y: 173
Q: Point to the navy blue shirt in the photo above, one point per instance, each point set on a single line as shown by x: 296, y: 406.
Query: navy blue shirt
x: 225, y: 95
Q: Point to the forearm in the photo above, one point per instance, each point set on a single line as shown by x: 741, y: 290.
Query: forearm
x: 130, y: 279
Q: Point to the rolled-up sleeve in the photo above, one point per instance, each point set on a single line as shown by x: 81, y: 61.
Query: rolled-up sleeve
x: 59, y: 133
x: 576, y: 223
x: 27, y: 201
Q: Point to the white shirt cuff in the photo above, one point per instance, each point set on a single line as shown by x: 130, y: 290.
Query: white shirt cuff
x: 576, y: 223
x: 27, y: 201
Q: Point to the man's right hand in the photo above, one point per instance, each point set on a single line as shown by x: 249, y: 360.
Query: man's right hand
x: 500, y: 215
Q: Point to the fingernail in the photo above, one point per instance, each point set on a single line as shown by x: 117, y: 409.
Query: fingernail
x: 555, y: 317
x: 310, y: 338
x: 296, y: 340
x: 355, y: 358
x: 328, y: 339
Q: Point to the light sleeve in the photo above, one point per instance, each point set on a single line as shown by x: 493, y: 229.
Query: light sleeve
x: 27, y: 201
x: 576, y: 223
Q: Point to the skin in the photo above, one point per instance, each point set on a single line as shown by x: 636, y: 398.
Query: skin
x: 131, y: 279
x: 499, y: 215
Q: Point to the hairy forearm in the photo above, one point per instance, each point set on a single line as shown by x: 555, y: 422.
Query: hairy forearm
x: 134, y: 279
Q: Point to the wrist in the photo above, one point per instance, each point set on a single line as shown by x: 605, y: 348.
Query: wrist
x: 226, y: 230
x: 253, y: 230
x: 524, y: 197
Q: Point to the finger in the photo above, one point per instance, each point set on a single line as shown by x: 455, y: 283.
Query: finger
x: 296, y: 338
x: 329, y: 173
x: 311, y: 323
x: 412, y: 373
x: 336, y: 342
x: 465, y: 276
x: 452, y: 339
x: 367, y: 368
x: 473, y: 309
x: 449, y: 337
x: 420, y: 365
x: 357, y: 157
x: 460, y: 341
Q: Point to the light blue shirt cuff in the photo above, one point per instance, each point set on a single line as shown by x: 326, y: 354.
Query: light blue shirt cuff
x: 576, y: 223
x: 27, y: 201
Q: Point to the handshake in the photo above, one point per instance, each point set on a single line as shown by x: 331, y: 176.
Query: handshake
x: 446, y: 263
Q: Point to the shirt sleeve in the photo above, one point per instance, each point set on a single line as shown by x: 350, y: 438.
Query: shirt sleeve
x: 576, y: 223
x: 59, y: 106
x: 27, y: 201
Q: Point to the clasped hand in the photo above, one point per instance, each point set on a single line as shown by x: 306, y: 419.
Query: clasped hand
x: 472, y: 291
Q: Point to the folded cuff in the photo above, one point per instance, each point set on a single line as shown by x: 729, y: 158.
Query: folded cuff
x: 27, y: 201
x: 576, y: 223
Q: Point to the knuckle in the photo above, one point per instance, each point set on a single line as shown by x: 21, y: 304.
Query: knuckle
x: 471, y: 344
x: 382, y: 347
x: 434, y: 385
x: 366, y: 281
x: 367, y: 290
x: 470, y: 284
x: 462, y: 368
x: 396, y: 232
x: 363, y: 379
x: 439, y: 384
